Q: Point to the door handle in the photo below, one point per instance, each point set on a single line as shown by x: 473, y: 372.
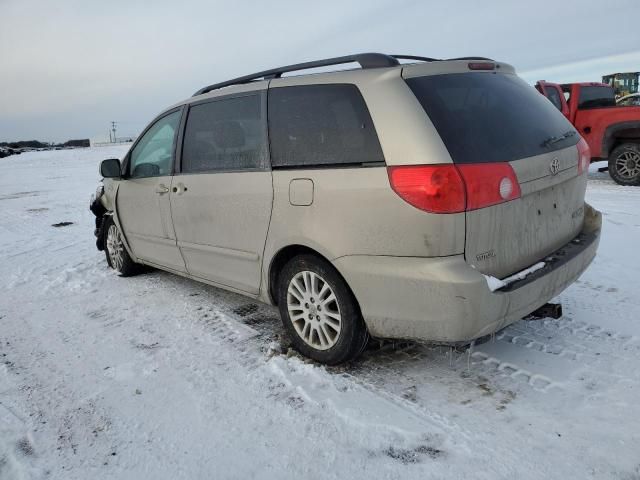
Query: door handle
x: 162, y: 189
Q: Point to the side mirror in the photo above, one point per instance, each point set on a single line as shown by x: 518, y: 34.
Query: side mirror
x: 110, y: 168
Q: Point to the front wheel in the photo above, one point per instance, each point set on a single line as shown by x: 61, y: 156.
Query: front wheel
x: 319, y: 311
x: 624, y: 164
x: 117, y: 256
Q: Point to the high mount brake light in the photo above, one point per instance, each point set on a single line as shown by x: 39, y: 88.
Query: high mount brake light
x: 584, y: 156
x: 481, y: 66
x: 450, y: 188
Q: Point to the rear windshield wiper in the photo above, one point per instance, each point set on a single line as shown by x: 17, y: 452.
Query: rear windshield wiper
x: 551, y: 140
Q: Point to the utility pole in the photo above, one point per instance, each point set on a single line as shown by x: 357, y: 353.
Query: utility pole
x: 113, y: 129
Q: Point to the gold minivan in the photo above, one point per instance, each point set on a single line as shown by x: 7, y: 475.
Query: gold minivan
x: 437, y: 200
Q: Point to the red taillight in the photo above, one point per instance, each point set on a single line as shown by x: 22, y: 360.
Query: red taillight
x: 489, y: 184
x: 453, y: 188
x: 434, y: 188
x: 584, y: 156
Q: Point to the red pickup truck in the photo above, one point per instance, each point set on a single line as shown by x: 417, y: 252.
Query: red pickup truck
x: 612, y: 132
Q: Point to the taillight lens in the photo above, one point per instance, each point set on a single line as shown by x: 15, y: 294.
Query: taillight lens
x: 584, y: 156
x: 433, y: 188
x: 489, y: 184
x: 453, y: 188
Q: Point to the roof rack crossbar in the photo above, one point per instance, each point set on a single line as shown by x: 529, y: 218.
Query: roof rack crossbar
x: 366, y: 61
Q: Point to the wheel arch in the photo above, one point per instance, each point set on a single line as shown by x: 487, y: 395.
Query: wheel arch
x: 618, y: 133
x: 282, y: 256
x: 114, y: 218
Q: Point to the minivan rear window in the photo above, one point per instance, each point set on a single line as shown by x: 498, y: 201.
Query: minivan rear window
x: 321, y: 125
x: 486, y: 117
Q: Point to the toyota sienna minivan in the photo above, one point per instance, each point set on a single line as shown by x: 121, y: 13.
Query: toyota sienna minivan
x: 435, y: 200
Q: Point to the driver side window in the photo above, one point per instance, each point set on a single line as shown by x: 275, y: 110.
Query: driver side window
x: 153, y: 155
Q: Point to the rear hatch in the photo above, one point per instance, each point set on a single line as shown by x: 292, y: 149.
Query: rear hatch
x: 488, y: 120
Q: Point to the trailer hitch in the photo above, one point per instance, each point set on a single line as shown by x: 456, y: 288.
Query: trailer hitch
x: 548, y: 310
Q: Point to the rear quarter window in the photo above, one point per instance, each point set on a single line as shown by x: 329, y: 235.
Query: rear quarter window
x: 487, y: 117
x: 320, y: 125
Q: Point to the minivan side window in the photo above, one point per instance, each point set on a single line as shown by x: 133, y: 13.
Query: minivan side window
x: 153, y: 154
x: 315, y: 125
x: 227, y: 134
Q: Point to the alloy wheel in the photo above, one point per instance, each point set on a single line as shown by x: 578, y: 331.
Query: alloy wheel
x: 314, y: 310
x: 115, y: 247
x: 628, y: 164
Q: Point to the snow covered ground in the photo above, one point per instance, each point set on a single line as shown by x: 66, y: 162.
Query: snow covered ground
x: 160, y: 377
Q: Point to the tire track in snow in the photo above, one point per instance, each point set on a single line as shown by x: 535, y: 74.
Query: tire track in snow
x: 255, y: 348
x: 573, y: 339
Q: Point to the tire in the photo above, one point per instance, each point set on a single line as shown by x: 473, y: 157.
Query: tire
x: 624, y: 164
x: 117, y: 256
x: 319, y: 311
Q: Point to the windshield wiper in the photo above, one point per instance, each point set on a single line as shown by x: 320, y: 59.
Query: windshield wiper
x: 551, y: 140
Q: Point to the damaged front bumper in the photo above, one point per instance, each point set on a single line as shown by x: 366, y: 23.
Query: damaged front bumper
x: 96, y: 207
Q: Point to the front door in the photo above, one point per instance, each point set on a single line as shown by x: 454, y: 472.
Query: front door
x: 221, y: 201
x: 553, y: 92
x: 143, y: 206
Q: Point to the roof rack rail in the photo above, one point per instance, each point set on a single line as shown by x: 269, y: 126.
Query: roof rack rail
x: 366, y: 61
x: 428, y: 59
x: 414, y: 57
x: 472, y: 58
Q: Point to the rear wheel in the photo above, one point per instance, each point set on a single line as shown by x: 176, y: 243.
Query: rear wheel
x: 117, y: 256
x: 319, y: 311
x: 624, y: 164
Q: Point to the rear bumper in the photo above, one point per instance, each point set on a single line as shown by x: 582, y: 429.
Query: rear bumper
x: 445, y: 300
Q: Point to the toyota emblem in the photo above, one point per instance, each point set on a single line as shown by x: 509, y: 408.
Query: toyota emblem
x: 554, y: 166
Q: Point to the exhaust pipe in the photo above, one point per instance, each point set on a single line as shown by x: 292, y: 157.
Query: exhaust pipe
x: 548, y: 310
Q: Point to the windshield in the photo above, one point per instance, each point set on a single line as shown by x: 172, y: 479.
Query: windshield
x: 486, y: 117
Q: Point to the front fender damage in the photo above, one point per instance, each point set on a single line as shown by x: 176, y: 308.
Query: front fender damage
x: 98, y: 209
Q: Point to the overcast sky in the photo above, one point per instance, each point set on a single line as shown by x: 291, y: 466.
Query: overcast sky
x: 67, y: 68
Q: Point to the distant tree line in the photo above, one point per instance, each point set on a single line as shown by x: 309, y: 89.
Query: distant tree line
x: 16, y: 148
x: 38, y: 144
